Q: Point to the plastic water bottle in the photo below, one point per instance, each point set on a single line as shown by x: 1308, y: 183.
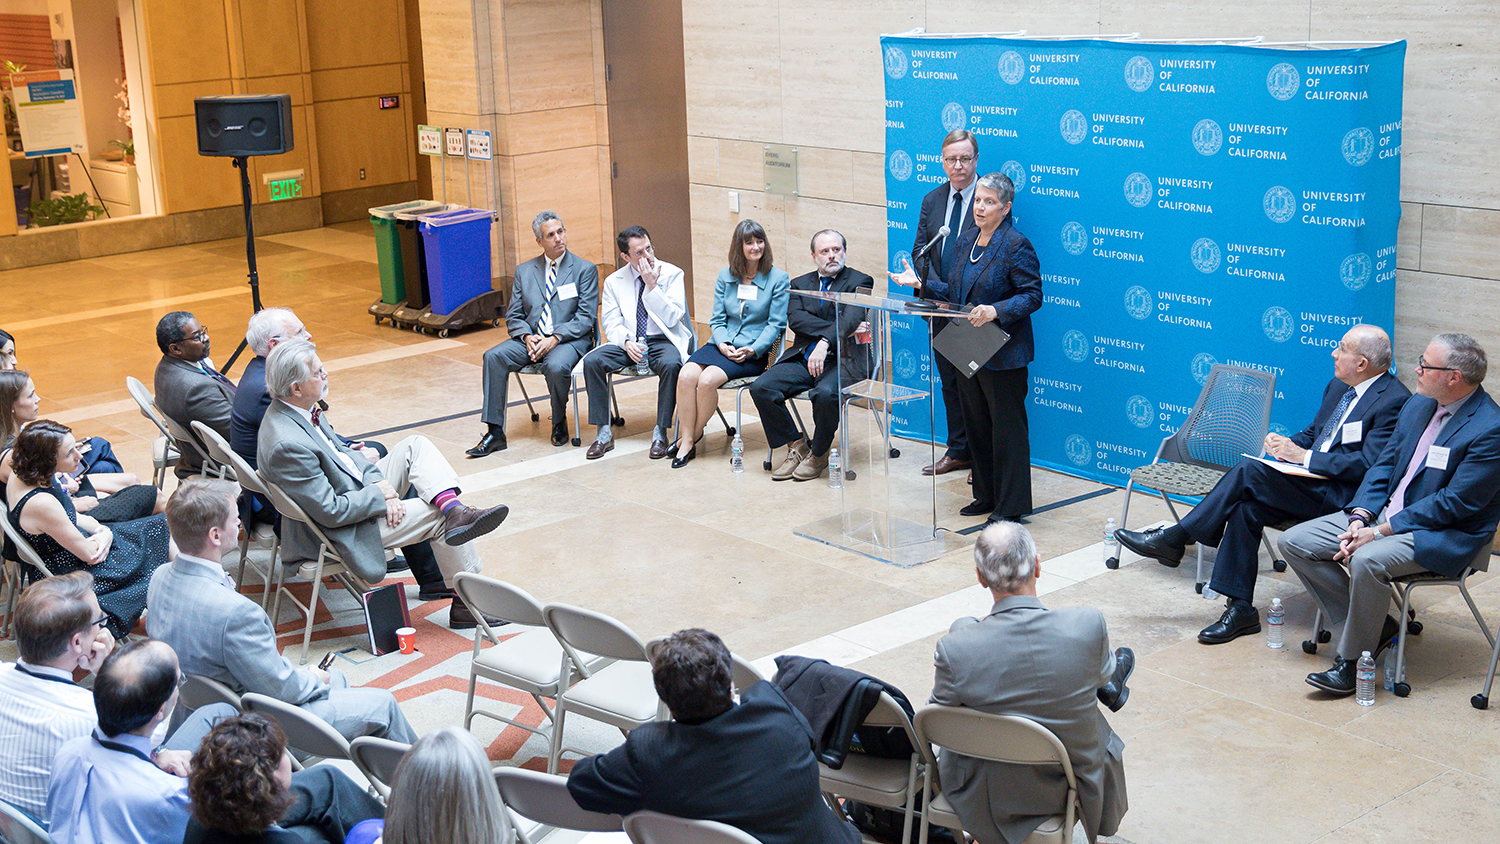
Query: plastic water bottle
x: 737, y: 454
x: 1111, y: 544
x: 835, y: 469
x: 1364, y: 680
x: 1390, y: 669
x: 1275, y: 619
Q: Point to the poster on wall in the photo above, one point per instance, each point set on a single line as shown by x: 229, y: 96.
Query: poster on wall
x: 1189, y: 205
x: 48, y: 113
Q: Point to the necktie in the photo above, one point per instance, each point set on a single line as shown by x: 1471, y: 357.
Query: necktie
x: 955, y: 228
x: 213, y: 373
x: 640, y: 311
x: 822, y: 284
x: 316, y: 413
x: 1325, y: 437
x: 1418, y: 460
x: 544, y: 327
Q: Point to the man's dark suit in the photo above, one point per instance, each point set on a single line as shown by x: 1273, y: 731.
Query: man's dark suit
x: 813, y: 320
x: 751, y: 767
x: 188, y: 393
x: 1252, y: 495
x: 934, y: 207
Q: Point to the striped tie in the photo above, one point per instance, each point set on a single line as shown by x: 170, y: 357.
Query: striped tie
x: 545, y: 326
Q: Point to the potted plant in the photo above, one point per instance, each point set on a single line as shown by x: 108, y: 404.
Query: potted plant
x: 64, y: 209
x: 119, y: 150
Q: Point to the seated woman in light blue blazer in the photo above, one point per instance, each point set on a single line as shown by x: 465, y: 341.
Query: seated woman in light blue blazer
x: 750, y: 300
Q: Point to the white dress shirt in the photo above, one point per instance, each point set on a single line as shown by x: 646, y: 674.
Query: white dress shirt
x: 343, y: 456
x: 106, y: 790
x: 41, y: 708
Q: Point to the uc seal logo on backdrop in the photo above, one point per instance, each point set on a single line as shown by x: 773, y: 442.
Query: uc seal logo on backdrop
x: 1074, y: 126
x: 1012, y: 67
x: 1075, y: 238
x: 1138, y: 73
x: 1279, y: 203
x: 1354, y: 272
x: 1138, y: 189
x: 1138, y: 302
x: 1358, y: 145
x: 1138, y: 411
x: 1207, y: 137
x: 954, y: 117
x: 1075, y: 346
x: 1203, y: 363
x: 900, y: 165
x: 899, y: 262
x: 1016, y: 173
x: 1283, y: 81
x: 1205, y: 254
x: 895, y: 62
x: 1278, y: 324
x: 1078, y: 450
x: 906, y: 364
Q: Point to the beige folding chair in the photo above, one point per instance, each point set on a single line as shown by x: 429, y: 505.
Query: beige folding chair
x: 544, y: 799
x: 307, y: 734
x: 740, y: 385
x: 648, y: 827
x: 164, y: 454
x: 15, y: 575
x: 16, y: 828
x: 377, y: 759
x: 995, y: 738
x: 531, y: 660
x: 263, y: 535
x: 186, y: 439
x: 328, y: 564
x: 742, y: 672
x: 892, y: 783
x: 620, y: 693
x: 198, y: 691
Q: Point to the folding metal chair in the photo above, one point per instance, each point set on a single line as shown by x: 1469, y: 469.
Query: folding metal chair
x: 17, y: 828
x: 307, y: 734
x: 377, y: 759
x: 648, y: 827
x: 16, y: 574
x: 620, y: 693
x: 262, y: 534
x: 164, y: 454
x: 892, y: 783
x: 544, y: 799
x: 198, y: 691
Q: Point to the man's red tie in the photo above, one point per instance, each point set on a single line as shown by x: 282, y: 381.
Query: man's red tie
x: 316, y: 412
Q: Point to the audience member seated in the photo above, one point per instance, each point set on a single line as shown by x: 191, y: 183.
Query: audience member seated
x: 7, y: 351
x: 1047, y: 665
x: 121, y: 558
x: 1428, y: 504
x: 105, y: 789
x: 58, y: 631
x: 443, y: 790
x: 551, y: 324
x: 220, y: 634
x: 748, y: 764
x: 819, y: 326
x: 357, y: 501
x: 643, y: 315
x: 100, y: 486
x: 243, y: 791
x: 750, y: 303
x: 188, y: 388
x: 1358, y: 414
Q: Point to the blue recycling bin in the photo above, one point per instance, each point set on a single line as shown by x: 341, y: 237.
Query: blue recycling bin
x: 457, y: 251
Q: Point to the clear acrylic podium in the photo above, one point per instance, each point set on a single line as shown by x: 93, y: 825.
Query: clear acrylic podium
x: 888, y: 507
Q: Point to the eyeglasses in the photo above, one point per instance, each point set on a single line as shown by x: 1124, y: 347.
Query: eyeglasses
x: 1424, y: 365
x: 100, y: 621
x: 200, y: 335
x: 958, y: 159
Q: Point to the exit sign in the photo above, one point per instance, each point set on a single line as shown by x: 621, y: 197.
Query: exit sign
x: 285, y: 189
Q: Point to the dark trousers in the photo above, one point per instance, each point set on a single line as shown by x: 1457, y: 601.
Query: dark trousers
x: 663, y: 359
x: 418, y: 555
x: 994, y: 411
x: 787, y: 378
x: 1233, y: 516
x: 948, y: 374
x: 557, y: 368
x: 328, y: 805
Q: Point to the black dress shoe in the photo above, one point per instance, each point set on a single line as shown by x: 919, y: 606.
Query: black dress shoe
x: 433, y: 592
x: 1338, y: 680
x: 1149, y: 543
x: 460, y: 617
x: 686, y: 458
x: 672, y: 451
x: 559, y: 433
x: 975, y: 508
x: 488, y: 444
x: 1114, y: 693
x: 1239, y: 619
x: 395, y: 564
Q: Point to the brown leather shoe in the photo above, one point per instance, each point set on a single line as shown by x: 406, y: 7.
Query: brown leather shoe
x: 461, y: 618
x: 658, y: 449
x: 464, y: 523
x: 598, y: 449
x: 945, y: 465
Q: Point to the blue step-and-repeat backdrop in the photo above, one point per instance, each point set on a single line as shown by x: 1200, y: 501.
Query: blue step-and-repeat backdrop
x: 1190, y: 205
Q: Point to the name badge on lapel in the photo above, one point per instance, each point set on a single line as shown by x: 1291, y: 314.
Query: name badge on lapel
x: 1437, y: 458
x: 567, y: 291
x: 1353, y: 432
x: 748, y: 292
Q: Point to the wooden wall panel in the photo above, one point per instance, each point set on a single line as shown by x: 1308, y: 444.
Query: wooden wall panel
x: 191, y: 182
x: 354, y: 134
x: 354, y: 33
x: 188, y: 40
x: 272, y: 34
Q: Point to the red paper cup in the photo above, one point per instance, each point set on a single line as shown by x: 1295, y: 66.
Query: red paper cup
x: 407, y: 636
x: 862, y: 335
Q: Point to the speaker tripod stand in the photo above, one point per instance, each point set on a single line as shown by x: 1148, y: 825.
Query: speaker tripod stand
x: 242, y: 163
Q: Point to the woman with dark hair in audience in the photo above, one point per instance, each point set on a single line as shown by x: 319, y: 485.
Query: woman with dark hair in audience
x: 243, y: 791
x: 7, y: 350
x: 121, y: 559
x: 105, y: 494
x: 750, y: 303
x: 443, y: 791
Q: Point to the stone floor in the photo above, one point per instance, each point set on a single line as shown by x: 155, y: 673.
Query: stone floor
x: 1222, y: 743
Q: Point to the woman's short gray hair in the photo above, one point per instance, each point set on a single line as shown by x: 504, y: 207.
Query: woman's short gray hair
x: 289, y: 363
x: 444, y: 790
x: 266, y: 325
x: 1005, y: 555
x: 1000, y: 184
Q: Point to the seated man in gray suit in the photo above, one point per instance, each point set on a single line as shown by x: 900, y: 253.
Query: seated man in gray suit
x: 188, y: 388
x: 551, y: 323
x: 1046, y: 665
x: 220, y: 634
x: 354, y: 498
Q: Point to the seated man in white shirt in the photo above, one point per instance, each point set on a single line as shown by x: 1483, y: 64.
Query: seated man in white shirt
x: 219, y: 633
x: 59, y: 629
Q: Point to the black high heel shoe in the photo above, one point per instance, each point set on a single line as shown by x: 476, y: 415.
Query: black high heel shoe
x: 679, y: 462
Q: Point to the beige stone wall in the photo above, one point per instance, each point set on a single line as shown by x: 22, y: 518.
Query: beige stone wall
x: 808, y: 74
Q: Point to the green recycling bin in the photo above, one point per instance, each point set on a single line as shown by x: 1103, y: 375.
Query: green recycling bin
x: 396, y: 246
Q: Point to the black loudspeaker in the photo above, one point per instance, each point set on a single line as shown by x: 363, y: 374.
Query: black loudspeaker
x: 256, y: 124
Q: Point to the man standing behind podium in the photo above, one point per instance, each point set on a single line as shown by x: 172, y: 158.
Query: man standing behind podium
x: 951, y: 205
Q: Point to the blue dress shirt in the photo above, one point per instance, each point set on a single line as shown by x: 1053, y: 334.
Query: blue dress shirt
x: 106, y: 790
